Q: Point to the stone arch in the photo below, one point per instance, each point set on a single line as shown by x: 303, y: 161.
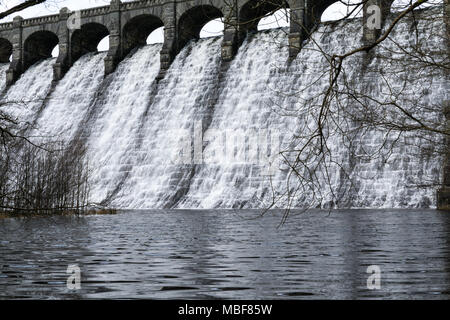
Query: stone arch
x: 192, y: 21
x: 254, y: 10
x: 86, y: 39
x: 5, y: 50
x: 39, y: 45
x: 137, y: 29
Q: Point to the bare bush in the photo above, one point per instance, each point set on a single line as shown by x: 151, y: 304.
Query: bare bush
x: 45, y: 179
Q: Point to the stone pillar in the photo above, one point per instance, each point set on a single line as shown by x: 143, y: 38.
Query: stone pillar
x: 16, y: 66
x: 443, y: 195
x: 230, y: 41
x: 63, y: 62
x: 298, y: 28
x: 374, y: 11
x: 115, y: 40
x: 170, y: 46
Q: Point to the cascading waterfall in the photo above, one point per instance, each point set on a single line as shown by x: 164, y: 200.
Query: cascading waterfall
x: 400, y: 178
x: 77, y: 89
x: 272, y: 95
x: 114, y: 130
x: 156, y: 180
x: 3, y: 68
x: 139, y: 133
x: 24, y: 100
x: 244, y: 117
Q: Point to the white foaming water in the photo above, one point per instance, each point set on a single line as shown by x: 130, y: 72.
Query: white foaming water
x: 263, y: 92
x: 244, y: 107
x: 134, y: 127
x: 70, y: 100
x: 115, y: 129
x: 258, y: 89
x: 3, y: 68
x: 401, y: 178
x: 155, y: 179
x: 25, y: 98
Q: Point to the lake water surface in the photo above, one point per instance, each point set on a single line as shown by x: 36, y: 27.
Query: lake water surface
x: 179, y: 254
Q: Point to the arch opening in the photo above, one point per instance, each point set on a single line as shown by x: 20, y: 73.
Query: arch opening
x: 55, y: 51
x: 137, y: 31
x: 39, y: 46
x: 213, y: 28
x: 87, y: 39
x: 278, y: 19
x: 193, y: 21
x: 103, y: 45
x: 336, y: 10
x: 254, y: 11
x: 5, y: 50
x: 156, y: 36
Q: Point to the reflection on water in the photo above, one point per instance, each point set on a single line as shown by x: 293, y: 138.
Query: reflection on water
x: 224, y: 254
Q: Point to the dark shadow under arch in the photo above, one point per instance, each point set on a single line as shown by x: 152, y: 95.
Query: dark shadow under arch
x: 136, y: 31
x: 193, y: 20
x: 39, y: 46
x: 5, y: 50
x: 86, y: 39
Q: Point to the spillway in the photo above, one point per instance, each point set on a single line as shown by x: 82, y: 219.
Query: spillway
x: 143, y: 138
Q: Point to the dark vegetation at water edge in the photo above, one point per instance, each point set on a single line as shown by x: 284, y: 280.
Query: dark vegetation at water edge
x: 44, y: 179
x: 48, y: 178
